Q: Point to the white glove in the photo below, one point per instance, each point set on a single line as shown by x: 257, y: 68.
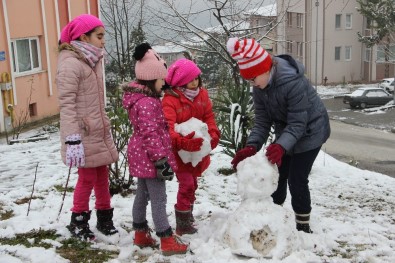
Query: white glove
x: 75, y: 156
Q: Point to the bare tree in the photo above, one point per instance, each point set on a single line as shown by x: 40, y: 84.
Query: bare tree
x: 123, y: 18
x: 225, y: 18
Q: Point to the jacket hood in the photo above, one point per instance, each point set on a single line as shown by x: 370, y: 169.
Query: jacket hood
x: 286, y: 68
x: 133, y: 92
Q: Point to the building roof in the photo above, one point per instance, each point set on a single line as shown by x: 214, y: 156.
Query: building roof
x: 169, y: 48
x: 267, y: 10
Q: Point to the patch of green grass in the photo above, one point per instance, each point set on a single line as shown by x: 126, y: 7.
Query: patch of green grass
x: 5, y: 214
x: 226, y: 171
x: 78, y: 251
x: 33, y: 238
x: 26, y: 200
x: 72, y: 249
x: 60, y: 188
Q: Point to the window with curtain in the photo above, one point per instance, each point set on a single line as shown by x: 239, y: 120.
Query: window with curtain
x: 26, y: 55
x: 347, y: 55
x: 348, y: 21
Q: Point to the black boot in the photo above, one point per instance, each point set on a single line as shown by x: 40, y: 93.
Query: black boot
x: 105, y: 223
x: 79, y: 226
x: 191, y: 218
x: 303, y: 223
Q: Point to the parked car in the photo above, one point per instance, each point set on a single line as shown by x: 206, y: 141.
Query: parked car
x: 367, y: 96
x: 387, y: 84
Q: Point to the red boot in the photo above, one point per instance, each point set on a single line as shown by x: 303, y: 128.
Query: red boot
x: 142, y: 235
x: 143, y: 238
x: 171, y: 244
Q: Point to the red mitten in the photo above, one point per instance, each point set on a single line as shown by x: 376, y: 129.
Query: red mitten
x: 274, y: 153
x: 214, y: 140
x: 190, y: 144
x: 242, y: 154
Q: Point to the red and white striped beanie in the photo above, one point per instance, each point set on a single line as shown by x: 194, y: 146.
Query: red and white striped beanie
x: 253, y: 60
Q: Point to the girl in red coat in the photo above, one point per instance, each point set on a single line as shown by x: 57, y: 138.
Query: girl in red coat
x: 188, y: 99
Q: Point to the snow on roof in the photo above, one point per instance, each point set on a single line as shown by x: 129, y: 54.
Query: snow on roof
x: 168, y: 48
x: 238, y: 25
x: 267, y: 10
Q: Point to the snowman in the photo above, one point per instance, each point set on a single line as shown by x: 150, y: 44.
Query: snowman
x: 259, y: 228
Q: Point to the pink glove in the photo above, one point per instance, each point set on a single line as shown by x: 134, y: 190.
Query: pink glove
x: 274, y: 153
x: 242, y: 154
x: 75, y: 156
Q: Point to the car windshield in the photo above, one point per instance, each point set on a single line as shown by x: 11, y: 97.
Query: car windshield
x: 357, y: 92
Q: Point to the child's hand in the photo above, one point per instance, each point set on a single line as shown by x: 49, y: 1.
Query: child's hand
x: 163, y: 170
x: 214, y: 140
x: 75, y: 156
x: 190, y: 144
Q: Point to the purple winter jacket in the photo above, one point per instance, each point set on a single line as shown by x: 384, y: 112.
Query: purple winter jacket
x: 150, y: 141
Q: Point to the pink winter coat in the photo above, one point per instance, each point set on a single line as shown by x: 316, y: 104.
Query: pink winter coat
x: 150, y: 141
x: 81, y: 99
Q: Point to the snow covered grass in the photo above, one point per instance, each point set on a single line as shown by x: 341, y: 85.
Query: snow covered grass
x: 352, y: 217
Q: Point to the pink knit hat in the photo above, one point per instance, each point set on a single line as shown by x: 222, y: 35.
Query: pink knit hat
x: 181, y: 72
x: 253, y: 60
x: 78, y: 26
x: 149, y: 65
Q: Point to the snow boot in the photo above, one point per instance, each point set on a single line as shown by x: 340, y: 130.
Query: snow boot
x: 183, y: 223
x: 105, y: 223
x: 170, y: 244
x: 142, y: 236
x: 303, y: 223
x: 191, y: 218
x: 79, y: 226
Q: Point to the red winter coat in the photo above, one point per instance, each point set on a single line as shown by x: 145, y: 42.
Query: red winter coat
x: 180, y: 109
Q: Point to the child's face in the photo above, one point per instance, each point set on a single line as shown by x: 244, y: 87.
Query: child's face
x: 260, y: 81
x: 158, y: 85
x: 194, y: 84
x: 96, y: 38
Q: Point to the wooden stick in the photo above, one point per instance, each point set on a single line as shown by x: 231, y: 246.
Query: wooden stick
x: 31, y: 196
x: 64, y: 192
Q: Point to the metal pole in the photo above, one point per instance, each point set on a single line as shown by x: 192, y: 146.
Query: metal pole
x: 316, y: 45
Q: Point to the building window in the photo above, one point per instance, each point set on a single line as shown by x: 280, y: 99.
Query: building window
x: 33, y: 109
x: 337, y: 53
x: 348, y: 21
x: 289, y: 47
x: 289, y: 19
x: 299, y: 20
x: 347, y: 54
x: 26, y: 55
x: 381, y: 52
x: 338, y: 21
x: 299, y: 49
x: 367, y: 55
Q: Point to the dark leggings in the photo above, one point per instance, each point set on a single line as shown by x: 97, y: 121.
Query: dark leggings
x: 296, y: 169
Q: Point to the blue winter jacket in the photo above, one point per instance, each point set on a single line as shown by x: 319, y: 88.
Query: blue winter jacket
x: 289, y: 102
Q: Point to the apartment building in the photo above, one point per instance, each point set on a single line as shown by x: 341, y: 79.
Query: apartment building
x: 323, y: 35
x: 29, y: 34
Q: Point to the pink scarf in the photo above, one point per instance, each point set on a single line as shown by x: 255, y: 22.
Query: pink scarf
x: 91, y: 53
x: 189, y: 93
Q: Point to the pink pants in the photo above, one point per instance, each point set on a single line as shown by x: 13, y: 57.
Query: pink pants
x: 187, y: 185
x: 92, y: 178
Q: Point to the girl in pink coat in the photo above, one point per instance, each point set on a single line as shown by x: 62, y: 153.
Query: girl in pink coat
x: 150, y: 156
x: 84, y: 126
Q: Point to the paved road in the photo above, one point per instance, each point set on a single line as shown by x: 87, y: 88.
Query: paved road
x: 360, y: 138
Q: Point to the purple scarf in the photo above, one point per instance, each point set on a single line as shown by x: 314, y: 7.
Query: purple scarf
x: 91, y: 53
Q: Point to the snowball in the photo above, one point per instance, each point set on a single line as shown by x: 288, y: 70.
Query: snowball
x: 201, y: 131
